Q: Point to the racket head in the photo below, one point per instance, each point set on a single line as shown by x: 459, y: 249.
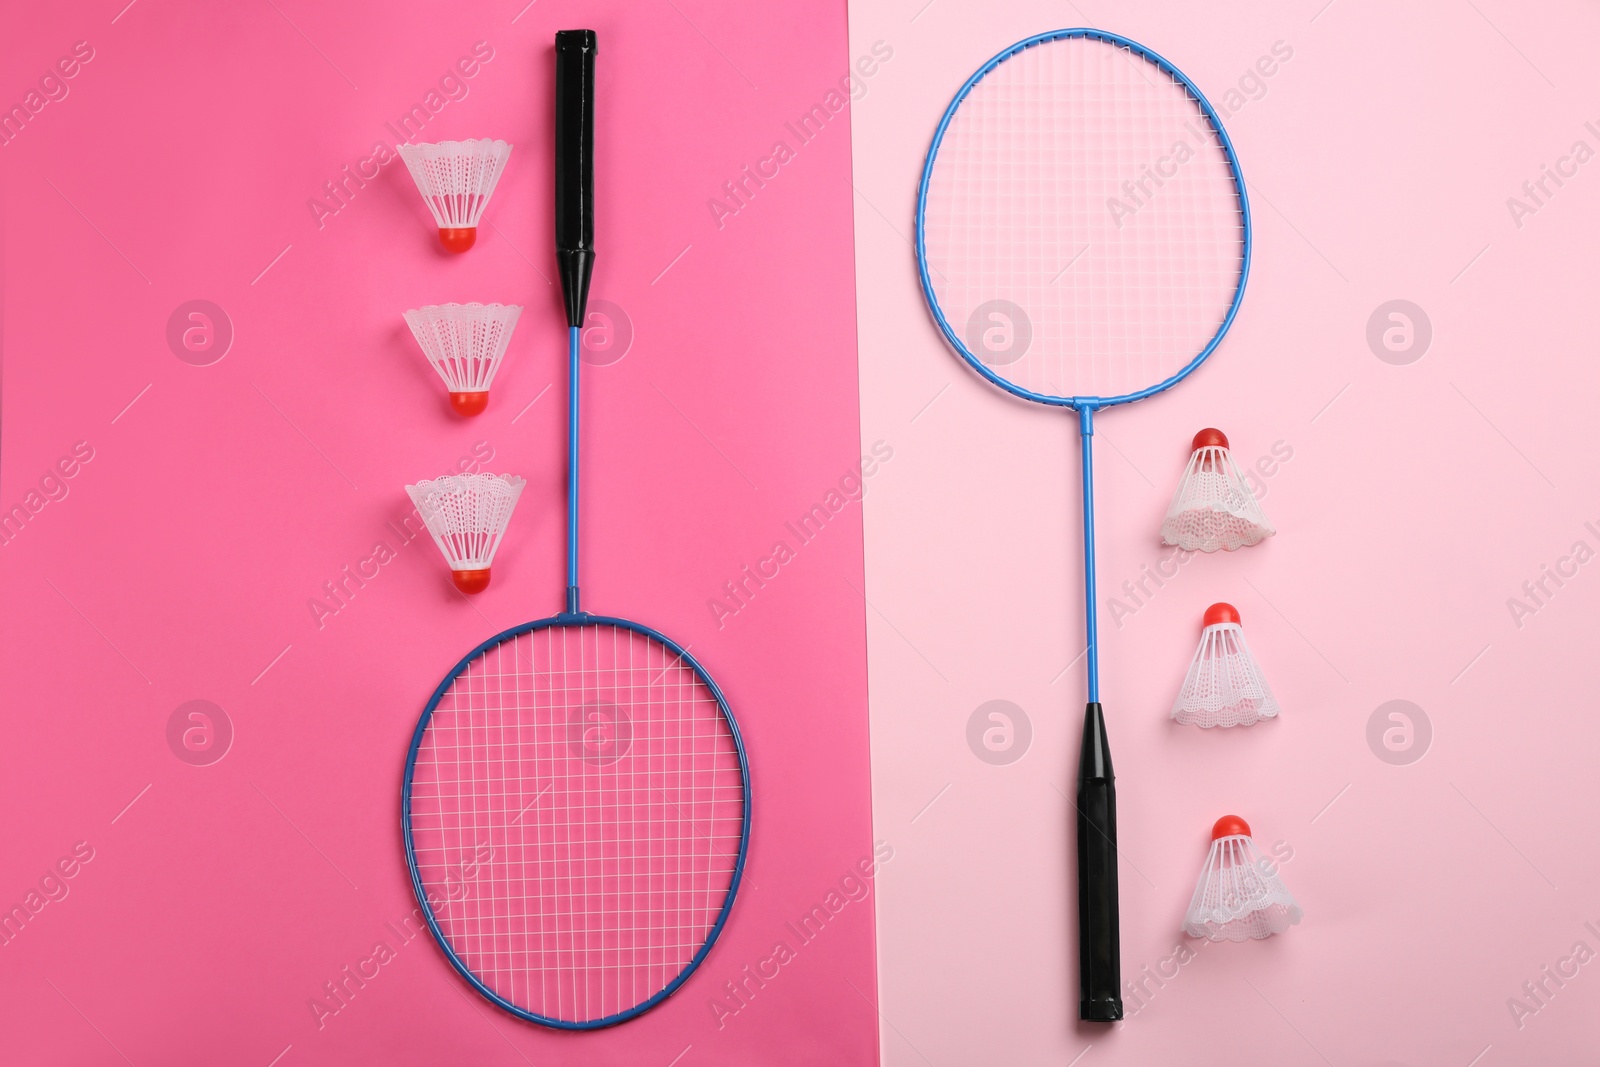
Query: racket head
x: 468, y: 841
x: 1126, y: 301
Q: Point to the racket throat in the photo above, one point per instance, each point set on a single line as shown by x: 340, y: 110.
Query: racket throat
x: 1091, y: 615
x: 576, y: 267
x: 574, y: 364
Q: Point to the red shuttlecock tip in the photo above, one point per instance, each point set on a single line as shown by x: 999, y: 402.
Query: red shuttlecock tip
x: 1230, y: 826
x: 469, y: 403
x: 1220, y: 613
x: 458, y: 240
x: 471, y: 581
x: 1209, y: 438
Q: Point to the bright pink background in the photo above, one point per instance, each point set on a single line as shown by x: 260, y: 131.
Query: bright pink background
x: 180, y: 564
x: 1418, y: 500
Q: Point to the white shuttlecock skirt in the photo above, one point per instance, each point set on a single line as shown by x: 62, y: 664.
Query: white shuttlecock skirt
x: 1214, y: 506
x: 464, y: 342
x: 467, y: 514
x: 1239, y: 895
x: 1224, y: 685
x: 455, y: 178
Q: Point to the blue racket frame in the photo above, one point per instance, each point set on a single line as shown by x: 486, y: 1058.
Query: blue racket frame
x: 573, y: 617
x: 1085, y: 406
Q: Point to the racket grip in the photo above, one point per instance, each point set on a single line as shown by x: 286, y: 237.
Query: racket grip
x: 575, y: 52
x: 1099, y: 924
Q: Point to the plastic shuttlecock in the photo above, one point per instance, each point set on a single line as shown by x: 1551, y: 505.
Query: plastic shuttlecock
x: 455, y: 178
x: 1239, y: 894
x: 465, y: 343
x: 1224, y: 686
x: 1214, y: 506
x: 467, y: 514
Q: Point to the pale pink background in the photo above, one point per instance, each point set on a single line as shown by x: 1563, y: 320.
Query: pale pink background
x: 180, y: 563
x: 1379, y: 163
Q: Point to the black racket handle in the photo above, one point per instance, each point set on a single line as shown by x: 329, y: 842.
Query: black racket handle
x: 1099, y: 924
x: 575, y: 52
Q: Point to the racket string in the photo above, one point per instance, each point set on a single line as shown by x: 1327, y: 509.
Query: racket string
x: 1084, y: 227
x: 577, y: 818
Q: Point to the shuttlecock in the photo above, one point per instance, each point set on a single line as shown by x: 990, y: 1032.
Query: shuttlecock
x: 1239, y: 894
x: 455, y: 178
x: 467, y: 514
x: 465, y: 343
x: 1224, y: 686
x: 1213, y: 507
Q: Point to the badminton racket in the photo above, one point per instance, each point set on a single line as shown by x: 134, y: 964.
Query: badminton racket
x: 576, y: 804
x: 1083, y: 240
